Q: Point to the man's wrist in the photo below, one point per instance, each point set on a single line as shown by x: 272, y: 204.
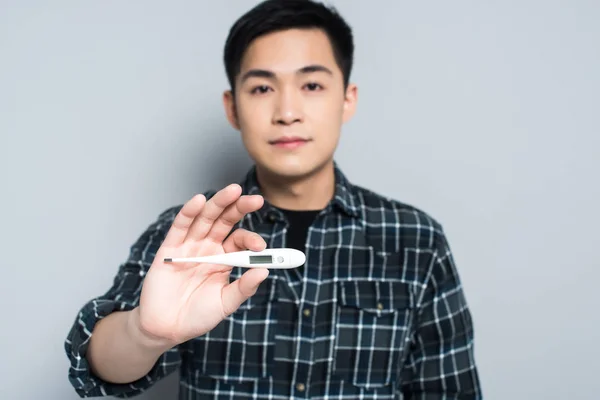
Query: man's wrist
x: 145, y: 340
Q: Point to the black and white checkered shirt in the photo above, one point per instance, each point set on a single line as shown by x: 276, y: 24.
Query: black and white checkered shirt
x: 377, y: 312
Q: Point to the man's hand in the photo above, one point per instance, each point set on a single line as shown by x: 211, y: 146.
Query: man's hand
x: 181, y: 301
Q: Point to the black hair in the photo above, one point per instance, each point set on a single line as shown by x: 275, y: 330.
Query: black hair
x: 278, y: 15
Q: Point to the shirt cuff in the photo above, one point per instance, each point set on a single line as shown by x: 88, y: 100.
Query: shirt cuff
x: 85, y: 383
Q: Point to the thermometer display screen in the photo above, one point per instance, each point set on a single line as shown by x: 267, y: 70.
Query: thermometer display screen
x: 261, y: 259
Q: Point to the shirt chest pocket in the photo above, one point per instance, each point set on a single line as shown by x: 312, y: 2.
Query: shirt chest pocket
x: 372, y: 332
x: 241, y: 348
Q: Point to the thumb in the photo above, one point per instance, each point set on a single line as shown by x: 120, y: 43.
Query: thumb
x: 238, y: 291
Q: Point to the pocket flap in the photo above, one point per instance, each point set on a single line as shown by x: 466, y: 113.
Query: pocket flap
x: 376, y: 296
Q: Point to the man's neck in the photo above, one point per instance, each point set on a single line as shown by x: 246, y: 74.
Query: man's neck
x: 312, y: 192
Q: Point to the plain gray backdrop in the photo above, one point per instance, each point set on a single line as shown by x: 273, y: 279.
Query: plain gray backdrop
x: 484, y: 114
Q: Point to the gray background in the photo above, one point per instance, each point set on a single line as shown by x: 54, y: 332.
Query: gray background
x: 486, y: 115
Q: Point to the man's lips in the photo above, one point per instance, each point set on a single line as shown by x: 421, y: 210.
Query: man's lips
x: 289, y: 142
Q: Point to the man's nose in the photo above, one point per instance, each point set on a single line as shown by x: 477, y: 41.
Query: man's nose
x: 289, y: 108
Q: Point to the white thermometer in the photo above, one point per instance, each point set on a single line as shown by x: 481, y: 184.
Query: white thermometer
x: 270, y: 258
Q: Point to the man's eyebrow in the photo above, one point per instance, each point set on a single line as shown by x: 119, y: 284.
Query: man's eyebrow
x: 263, y: 73
x: 314, y: 68
x: 257, y: 73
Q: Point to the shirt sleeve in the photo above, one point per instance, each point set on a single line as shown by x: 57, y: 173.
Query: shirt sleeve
x: 441, y: 364
x: 123, y: 295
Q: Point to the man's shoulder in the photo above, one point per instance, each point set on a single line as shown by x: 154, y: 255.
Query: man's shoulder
x: 376, y: 204
x: 399, y: 221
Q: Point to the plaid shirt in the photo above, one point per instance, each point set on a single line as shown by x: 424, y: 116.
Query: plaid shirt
x: 377, y: 312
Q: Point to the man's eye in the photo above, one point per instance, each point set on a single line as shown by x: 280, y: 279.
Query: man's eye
x: 313, y: 86
x: 260, y: 89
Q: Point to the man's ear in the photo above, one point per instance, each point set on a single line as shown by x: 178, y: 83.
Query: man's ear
x: 350, y: 100
x: 230, y: 111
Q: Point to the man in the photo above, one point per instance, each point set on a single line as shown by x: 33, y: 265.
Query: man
x: 377, y: 311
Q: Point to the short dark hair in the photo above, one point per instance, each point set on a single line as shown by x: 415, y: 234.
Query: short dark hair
x: 278, y: 15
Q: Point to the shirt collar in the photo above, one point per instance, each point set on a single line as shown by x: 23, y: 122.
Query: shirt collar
x: 343, y: 198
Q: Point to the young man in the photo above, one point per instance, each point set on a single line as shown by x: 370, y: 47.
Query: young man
x: 377, y: 311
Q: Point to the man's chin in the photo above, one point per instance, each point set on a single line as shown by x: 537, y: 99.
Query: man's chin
x: 292, y: 172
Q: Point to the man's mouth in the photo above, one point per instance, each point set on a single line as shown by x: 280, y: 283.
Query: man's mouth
x: 289, y: 142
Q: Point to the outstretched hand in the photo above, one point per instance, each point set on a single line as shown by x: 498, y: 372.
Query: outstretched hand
x: 182, y: 301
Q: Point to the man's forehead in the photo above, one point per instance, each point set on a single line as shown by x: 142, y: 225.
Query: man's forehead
x: 287, y: 52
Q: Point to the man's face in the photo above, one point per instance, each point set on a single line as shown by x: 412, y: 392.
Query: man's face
x: 290, y: 102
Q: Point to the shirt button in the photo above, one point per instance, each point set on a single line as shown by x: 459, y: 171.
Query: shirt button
x: 306, y: 312
x: 300, y: 387
x: 379, y: 306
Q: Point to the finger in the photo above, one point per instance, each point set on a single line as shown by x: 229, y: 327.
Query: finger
x: 212, y: 210
x: 238, y: 291
x: 232, y: 215
x: 184, y: 219
x: 242, y: 239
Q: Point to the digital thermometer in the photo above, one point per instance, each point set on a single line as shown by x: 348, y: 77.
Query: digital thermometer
x: 270, y: 258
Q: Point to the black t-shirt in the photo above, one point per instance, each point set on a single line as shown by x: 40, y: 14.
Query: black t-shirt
x: 299, y: 222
